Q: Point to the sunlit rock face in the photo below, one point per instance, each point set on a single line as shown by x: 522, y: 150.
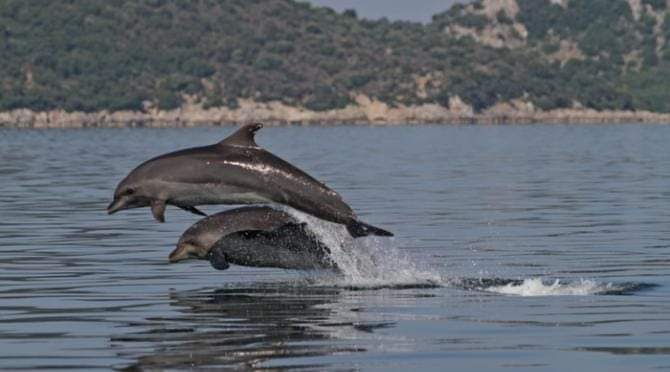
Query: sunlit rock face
x: 500, y: 30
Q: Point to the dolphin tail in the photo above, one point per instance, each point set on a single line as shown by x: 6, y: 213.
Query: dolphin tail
x: 358, y: 229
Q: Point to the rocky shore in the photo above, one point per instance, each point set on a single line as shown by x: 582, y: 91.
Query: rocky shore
x: 365, y: 111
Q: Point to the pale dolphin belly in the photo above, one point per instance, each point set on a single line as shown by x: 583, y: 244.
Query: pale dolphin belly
x: 201, y: 194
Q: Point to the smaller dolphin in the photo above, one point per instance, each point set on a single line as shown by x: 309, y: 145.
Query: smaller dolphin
x: 198, y: 239
x: 253, y: 236
x: 290, y: 246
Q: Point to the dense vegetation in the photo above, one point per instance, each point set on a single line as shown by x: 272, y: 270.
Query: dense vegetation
x: 89, y: 55
x: 624, y: 58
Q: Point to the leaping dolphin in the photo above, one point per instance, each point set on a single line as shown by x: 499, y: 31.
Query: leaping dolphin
x: 233, y: 171
x: 253, y: 236
x: 198, y: 239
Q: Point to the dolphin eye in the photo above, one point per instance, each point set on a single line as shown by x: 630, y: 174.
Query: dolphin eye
x: 129, y: 191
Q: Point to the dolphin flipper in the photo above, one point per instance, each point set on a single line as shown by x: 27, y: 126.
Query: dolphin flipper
x: 158, y: 209
x: 358, y: 229
x: 217, y: 259
x: 193, y: 210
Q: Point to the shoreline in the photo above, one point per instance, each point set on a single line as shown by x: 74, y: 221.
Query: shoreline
x: 366, y: 112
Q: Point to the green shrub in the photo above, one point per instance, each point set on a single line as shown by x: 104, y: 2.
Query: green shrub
x: 115, y: 54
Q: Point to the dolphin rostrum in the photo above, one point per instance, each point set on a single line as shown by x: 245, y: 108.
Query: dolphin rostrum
x: 233, y: 171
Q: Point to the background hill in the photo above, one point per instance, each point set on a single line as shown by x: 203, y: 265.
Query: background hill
x: 92, y: 55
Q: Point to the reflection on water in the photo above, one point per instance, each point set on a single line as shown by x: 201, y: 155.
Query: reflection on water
x: 538, y: 248
x: 243, y: 327
x: 247, y: 326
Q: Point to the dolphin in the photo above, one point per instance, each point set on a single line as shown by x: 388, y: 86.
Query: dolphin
x: 233, y: 171
x: 198, y: 239
x: 253, y: 236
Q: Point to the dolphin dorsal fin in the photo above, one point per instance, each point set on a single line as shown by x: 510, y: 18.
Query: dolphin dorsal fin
x: 243, y: 137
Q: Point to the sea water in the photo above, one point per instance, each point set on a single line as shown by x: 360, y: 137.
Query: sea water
x: 540, y: 247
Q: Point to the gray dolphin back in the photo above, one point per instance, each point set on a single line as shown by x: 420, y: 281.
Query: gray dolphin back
x: 239, y: 219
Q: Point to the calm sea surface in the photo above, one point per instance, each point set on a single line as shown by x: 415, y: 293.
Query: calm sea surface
x: 517, y: 248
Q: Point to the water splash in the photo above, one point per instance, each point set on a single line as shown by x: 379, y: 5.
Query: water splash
x: 532, y: 287
x: 370, y: 262
x: 538, y: 287
x: 374, y: 263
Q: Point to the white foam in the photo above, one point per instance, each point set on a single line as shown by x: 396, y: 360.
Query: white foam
x: 374, y: 262
x: 538, y: 287
x: 364, y: 262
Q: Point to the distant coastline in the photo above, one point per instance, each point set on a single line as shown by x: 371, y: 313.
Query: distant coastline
x: 157, y: 63
x: 366, y: 112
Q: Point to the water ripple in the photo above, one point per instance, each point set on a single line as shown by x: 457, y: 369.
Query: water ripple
x: 482, y: 216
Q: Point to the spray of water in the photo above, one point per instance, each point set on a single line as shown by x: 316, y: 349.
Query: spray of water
x: 374, y: 262
x: 365, y: 262
x: 537, y: 287
x: 557, y: 287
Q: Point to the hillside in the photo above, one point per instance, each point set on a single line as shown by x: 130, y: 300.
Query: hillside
x: 625, y: 42
x: 142, y: 55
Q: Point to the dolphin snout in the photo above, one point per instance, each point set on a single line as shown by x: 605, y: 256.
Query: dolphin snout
x: 177, y: 255
x: 187, y: 251
x: 115, y: 206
